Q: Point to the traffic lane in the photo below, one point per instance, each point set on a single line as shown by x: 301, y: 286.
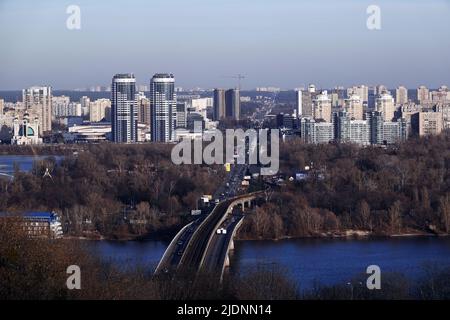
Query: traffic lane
x: 183, y: 241
x: 217, y: 251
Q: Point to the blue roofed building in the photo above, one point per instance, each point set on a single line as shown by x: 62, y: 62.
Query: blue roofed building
x: 39, y: 224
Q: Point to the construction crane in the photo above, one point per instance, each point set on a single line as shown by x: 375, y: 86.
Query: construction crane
x: 239, y: 77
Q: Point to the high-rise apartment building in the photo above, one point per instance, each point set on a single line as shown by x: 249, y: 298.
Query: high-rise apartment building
x: 401, y: 95
x: 98, y: 109
x: 85, y: 101
x: 423, y: 94
x: 316, y: 132
x: 312, y: 88
x: 123, y: 108
x: 72, y: 109
x: 143, y: 105
x: 425, y: 123
x: 307, y: 104
x: 163, y: 107
x: 2, y: 105
x: 322, y: 107
x: 386, y: 132
x: 219, y: 104
x: 361, y: 91
x: 232, y: 104
x: 354, y: 107
x: 353, y: 131
x: 39, y: 100
x: 299, y: 109
x: 381, y: 89
x: 386, y: 105
x: 181, y: 114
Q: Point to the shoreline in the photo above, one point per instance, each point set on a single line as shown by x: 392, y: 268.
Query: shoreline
x: 352, y: 236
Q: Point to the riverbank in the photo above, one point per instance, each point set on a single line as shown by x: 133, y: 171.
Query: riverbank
x: 347, y: 234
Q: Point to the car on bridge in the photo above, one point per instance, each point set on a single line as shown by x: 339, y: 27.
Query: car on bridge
x: 221, y: 231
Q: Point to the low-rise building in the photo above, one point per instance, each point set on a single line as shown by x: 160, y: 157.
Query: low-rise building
x: 26, y: 132
x: 37, y: 224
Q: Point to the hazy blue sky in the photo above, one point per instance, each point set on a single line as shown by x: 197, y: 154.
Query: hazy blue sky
x: 286, y: 43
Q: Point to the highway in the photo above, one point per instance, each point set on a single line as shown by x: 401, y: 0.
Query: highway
x: 188, y: 239
x: 187, y: 249
x: 217, y: 251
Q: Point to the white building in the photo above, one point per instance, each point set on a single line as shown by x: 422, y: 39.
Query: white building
x: 97, y: 109
x: 316, y: 132
x: 423, y: 94
x: 361, y: 91
x: 2, y: 105
x: 322, y: 107
x: 26, y: 132
x: 299, y: 110
x: 40, y: 99
x: 386, y: 105
x: 401, y: 95
x: 354, y: 107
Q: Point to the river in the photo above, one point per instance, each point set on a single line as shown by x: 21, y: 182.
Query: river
x: 328, y: 261
x: 24, y: 163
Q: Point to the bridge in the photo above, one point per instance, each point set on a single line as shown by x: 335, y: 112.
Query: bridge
x: 199, y: 247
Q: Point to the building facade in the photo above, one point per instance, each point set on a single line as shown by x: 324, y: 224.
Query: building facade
x: 316, y: 132
x: 39, y: 100
x: 233, y: 104
x: 123, y: 108
x: 423, y: 95
x: 37, y: 224
x: 354, y: 107
x: 163, y: 106
x: 26, y: 132
x: 353, y: 131
x: 219, y: 104
x: 401, y: 95
x: 361, y: 91
x: 426, y: 123
x: 181, y: 115
x: 299, y: 100
x: 386, y: 105
x: 384, y: 133
x: 98, y: 110
x: 322, y: 107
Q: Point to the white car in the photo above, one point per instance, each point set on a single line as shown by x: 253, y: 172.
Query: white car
x: 221, y: 231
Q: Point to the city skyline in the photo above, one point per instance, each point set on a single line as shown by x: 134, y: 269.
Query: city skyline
x: 260, y: 43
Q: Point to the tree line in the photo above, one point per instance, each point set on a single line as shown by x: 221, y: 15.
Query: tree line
x: 395, y: 190
x: 110, y: 190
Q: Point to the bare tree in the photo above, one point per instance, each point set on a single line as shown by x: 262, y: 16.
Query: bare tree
x: 364, y: 215
x: 395, y: 219
x: 444, y: 211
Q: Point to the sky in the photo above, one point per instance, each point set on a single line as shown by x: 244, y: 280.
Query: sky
x: 282, y: 43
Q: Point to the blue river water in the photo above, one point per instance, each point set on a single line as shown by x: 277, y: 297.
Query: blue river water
x: 25, y: 163
x: 326, y: 261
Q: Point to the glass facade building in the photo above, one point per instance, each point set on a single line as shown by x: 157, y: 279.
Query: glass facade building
x: 163, y: 106
x: 124, y: 109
